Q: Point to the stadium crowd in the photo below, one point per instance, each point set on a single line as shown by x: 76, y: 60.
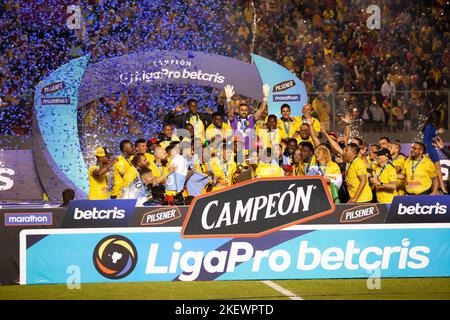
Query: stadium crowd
x: 326, y: 43
x: 200, y: 152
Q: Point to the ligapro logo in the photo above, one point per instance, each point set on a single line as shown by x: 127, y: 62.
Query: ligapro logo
x: 352, y: 257
x: 422, y: 209
x: 96, y: 214
x: 257, y: 207
x: 115, y: 257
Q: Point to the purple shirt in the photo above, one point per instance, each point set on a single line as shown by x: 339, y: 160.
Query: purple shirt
x: 244, y: 128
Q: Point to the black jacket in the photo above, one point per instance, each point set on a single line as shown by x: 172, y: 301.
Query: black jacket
x: 181, y: 120
x: 446, y: 151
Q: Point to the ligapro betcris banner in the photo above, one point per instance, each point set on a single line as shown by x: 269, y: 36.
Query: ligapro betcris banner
x: 298, y: 252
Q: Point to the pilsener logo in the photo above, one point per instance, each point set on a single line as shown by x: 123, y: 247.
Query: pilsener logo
x: 161, y: 216
x: 99, y: 213
x: 359, y: 213
x: 257, y: 207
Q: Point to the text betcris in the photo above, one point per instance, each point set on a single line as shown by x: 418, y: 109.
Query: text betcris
x: 307, y: 258
x: 96, y: 214
x: 422, y: 209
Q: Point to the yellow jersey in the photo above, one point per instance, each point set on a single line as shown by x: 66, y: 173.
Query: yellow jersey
x: 300, y: 140
x: 316, y: 123
x: 149, y: 156
x: 199, y: 127
x: 120, y: 167
x: 400, y: 162
x: 419, y: 174
x: 98, y: 186
x: 165, y: 143
x: 386, y: 175
x: 223, y: 172
x: 267, y: 170
x: 289, y: 128
x: 308, y: 165
x: 269, y: 138
x: 355, y: 169
x: 262, y: 121
x: 298, y: 170
x: 225, y: 132
x: 129, y: 176
x: 157, y: 169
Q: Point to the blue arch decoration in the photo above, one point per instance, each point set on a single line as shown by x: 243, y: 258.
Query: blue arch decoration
x: 56, y: 144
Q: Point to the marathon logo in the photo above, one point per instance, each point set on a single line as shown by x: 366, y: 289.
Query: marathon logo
x: 286, y: 97
x: 53, y: 87
x: 55, y: 101
x: 28, y: 219
x: 358, y: 214
x: 257, y: 207
x: 283, y: 86
x: 161, y: 216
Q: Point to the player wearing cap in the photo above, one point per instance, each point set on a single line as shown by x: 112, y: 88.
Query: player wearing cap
x: 99, y: 175
x: 121, y: 166
x: 421, y: 175
x: 384, y: 177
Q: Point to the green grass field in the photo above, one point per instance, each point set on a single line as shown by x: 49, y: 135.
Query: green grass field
x: 336, y: 289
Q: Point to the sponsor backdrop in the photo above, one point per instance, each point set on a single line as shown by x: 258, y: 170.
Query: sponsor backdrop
x: 14, y: 220
x: 299, y: 252
x: 74, y: 84
x: 18, y: 176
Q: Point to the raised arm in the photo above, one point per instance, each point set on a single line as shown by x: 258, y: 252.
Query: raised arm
x: 263, y: 106
x: 101, y: 171
x: 333, y: 143
x: 347, y: 123
x: 170, y: 117
x: 313, y: 132
x: 229, y: 93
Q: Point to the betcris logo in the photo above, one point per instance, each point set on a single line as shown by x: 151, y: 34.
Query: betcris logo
x: 99, y: 213
x: 419, y: 209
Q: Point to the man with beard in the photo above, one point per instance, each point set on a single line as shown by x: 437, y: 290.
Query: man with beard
x: 243, y: 123
x: 421, y: 175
